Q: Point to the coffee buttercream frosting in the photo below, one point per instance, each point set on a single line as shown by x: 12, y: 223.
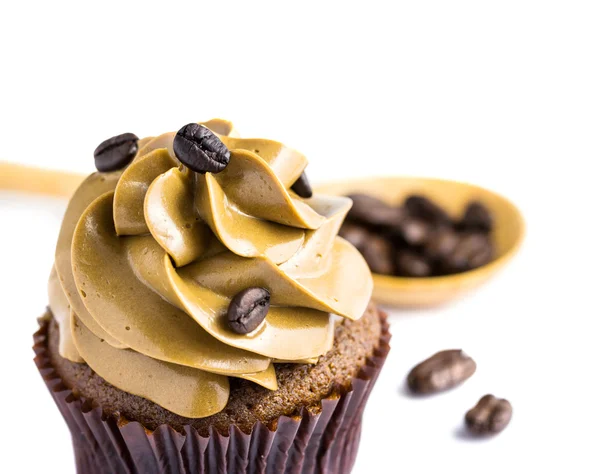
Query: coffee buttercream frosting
x: 150, y: 256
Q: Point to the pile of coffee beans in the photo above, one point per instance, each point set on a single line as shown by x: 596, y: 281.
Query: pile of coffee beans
x: 418, y: 238
x: 447, y: 369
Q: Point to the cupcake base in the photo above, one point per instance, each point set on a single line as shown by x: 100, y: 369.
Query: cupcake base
x: 323, y: 440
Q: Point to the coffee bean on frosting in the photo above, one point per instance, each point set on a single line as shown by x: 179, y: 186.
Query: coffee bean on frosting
x: 490, y: 416
x: 248, y: 309
x: 200, y: 149
x: 116, y: 152
x: 302, y: 186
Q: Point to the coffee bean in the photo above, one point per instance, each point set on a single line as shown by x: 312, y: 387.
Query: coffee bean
x: 413, y: 231
x: 200, y: 149
x: 355, y: 234
x: 442, y: 371
x: 491, y: 415
x: 116, y: 152
x: 248, y: 309
x: 411, y: 264
x: 473, y: 250
x: 482, y: 257
x: 302, y: 186
x: 477, y: 217
x: 441, y: 243
x: 425, y: 209
x: 379, y: 255
x: 371, y: 211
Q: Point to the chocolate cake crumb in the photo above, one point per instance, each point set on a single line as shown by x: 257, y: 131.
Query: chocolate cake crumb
x: 300, y: 385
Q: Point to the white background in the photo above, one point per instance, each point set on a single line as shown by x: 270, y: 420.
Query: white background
x: 504, y: 94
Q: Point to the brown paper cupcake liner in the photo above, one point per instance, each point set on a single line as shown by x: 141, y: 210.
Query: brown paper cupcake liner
x: 325, y: 442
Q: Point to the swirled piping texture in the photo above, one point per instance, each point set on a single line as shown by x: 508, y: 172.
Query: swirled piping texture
x: 149, y: 257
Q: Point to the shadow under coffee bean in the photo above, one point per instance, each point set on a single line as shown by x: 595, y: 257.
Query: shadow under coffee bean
x: 418, y: 238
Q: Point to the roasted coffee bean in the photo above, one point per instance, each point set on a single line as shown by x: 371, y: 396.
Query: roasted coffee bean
x: 248, y: 309
x: 484, y: 256
x: 379, y: 255
x: 200, y: 149
x: 355, y: 234
x: 371, y: 211
x: 477, y: 217
x: 491, y: 415
x: 473, y: 250
x: 425, y: 209
x: 441, y: 371
x: 412, y: 231
x: 116, y: 152
x: 411, y: 264
x: 302, y: 186
x: 441, y: 243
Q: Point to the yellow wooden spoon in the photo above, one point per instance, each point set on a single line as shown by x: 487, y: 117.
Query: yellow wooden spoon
x: 31, y: 179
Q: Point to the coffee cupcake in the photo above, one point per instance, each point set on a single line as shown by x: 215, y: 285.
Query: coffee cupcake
x: 204, y: 315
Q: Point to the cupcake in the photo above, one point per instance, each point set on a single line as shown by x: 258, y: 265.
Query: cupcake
x: 204, y: 316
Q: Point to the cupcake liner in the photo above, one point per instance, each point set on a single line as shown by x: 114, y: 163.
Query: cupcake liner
x: 323, y: 442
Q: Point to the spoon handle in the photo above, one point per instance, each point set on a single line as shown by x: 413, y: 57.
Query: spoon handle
x: 15, y: 177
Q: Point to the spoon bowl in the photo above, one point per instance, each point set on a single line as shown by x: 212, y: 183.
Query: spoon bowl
x: 453, y: 196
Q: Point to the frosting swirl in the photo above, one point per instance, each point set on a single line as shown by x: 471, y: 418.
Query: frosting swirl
x: 148, y: 259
